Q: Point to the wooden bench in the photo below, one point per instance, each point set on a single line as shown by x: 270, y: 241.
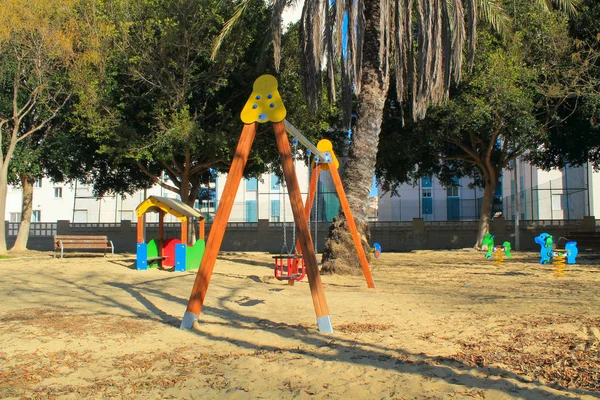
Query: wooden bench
x: 585, y: 240
x: 82, y: 242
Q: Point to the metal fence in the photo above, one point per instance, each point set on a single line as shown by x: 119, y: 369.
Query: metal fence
x: 557, y: 199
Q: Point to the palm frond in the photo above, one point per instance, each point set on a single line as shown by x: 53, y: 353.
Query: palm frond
x: 311, y: 39
x: 571, y: 7
x: 457, y: 27
x: 472, y: 29
x: 276, y: 30
x: 491, y: 11
x: 229, y: 25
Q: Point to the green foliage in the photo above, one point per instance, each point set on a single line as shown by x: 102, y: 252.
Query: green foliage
x: 568, y: 65
x: 492, y: 110
x: 164, y: 105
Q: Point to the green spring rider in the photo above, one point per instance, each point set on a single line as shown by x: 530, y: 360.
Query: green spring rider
x: 489, y: 241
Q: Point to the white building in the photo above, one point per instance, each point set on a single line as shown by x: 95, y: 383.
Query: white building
x: 567, y: 193
x: 555, y: 194
x: 431, y: 201
x: 263, y: 198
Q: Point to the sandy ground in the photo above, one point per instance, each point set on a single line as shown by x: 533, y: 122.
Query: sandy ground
x: 440, y: 324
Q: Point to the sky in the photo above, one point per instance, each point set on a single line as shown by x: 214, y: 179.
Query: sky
x: 292, y: 13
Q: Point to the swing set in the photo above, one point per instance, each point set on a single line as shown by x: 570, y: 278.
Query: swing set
x: 265, y: 105
x: 289, y: 264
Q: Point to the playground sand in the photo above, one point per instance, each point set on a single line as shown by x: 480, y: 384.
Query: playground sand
x: 440, y: 324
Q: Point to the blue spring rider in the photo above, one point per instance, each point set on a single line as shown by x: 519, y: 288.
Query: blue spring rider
x: 547, y: 252
x: 375, y: 251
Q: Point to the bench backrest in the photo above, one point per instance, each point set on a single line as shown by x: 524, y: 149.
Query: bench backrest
x: 72, y: 239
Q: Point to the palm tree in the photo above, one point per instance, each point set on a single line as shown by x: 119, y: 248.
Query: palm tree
x: 421, y: 41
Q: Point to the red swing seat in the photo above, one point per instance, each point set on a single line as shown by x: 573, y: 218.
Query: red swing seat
x: 289, y: 267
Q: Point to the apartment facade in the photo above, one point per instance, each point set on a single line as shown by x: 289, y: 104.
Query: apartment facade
x: 431, y: 201
x: 568, y: 193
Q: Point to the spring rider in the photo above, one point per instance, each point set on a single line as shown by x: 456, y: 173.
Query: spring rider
x: 547, y: 252
x: 497, y: 250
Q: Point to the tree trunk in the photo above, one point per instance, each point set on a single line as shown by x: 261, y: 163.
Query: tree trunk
x: 3, y: 193
x: 339, y: 254
x: 486, y: 211
x: 26, y: 211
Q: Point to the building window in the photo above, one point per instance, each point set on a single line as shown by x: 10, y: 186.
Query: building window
x: 38, y: 183
x: 57, y: 192
x: 275, y: 185
x: 453, y: 190
x: 252, y: 184
x: 15, y: 217
x: 426, y: 201
x: 36, y: 216
x: 275, y: 210
x: 426, y: 181
x: 251, y: 211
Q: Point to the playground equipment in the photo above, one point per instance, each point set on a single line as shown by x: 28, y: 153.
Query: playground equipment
x: 289, y: 264
x: 265, y: 105
x: 498, y: 252
x: 375, y: 251
x: 549, y: 252
x: 169, y: 252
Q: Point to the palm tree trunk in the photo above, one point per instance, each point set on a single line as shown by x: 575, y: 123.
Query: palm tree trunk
x: 26, y: 211
x: 339, y: 254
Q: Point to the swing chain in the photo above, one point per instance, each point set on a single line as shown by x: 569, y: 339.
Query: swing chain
x: 316, y: 210
x: 295, y: 149
x: 285, y: 247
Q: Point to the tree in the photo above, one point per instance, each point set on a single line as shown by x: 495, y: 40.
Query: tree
x: 530, y: 86
x: 43, y: 50
x: 568, y: 61
x: 383, y: 41
x: 24, y: 171
x: 167, y: 109
x: 489, y: 121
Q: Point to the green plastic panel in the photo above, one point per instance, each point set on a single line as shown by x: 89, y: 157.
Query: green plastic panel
x: 153, y: 252
x: 194, y: 255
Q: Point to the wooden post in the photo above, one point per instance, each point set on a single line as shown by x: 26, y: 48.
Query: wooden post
x: 312, y: 269
x: 184, y: 230
x: 140, y: 229
x: 351, y: 225
x: 201, y: 229
x: 218, y: 227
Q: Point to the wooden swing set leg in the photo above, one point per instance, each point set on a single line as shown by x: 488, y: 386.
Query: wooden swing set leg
x: 351, y: 224
x: 312, y: 190
x: 312, y: 270
x: 215, y: 239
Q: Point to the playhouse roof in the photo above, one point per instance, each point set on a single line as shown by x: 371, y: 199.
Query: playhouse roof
x: 171, y: 206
